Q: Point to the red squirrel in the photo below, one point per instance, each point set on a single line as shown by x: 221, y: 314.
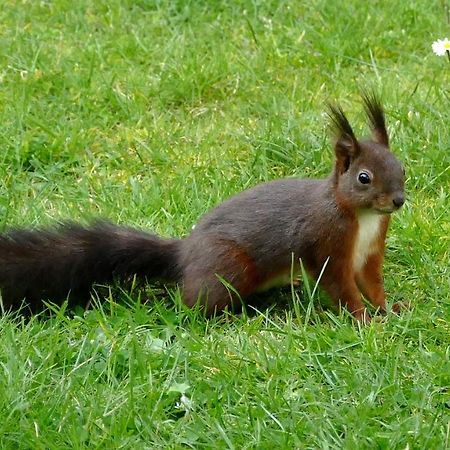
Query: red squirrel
x: 335, y: 226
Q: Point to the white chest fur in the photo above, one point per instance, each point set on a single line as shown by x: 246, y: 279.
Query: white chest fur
x: 369, y: 226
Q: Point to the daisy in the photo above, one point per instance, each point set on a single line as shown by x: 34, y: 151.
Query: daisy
x: 442, y: 47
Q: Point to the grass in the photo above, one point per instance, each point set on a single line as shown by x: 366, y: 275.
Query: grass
x: 151, y: 112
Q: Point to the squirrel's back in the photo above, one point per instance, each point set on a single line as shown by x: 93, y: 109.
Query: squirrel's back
x: 273, y: 220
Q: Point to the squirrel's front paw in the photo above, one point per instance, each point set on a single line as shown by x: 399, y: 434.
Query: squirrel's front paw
x: 397, y: 307
x: 363, y: 317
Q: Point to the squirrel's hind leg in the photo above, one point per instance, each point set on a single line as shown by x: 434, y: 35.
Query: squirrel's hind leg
x: 218, y: 274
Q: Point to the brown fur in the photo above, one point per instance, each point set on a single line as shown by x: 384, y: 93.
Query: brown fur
x: 230, y: 264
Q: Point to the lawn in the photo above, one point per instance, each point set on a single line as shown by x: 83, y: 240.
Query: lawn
x: 151, y: 112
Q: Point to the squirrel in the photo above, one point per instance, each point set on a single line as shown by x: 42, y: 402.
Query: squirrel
x: 336, y: 227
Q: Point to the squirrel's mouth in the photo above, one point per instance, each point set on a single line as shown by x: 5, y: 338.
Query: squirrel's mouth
x: 389, y: 204
x: 386, y: 210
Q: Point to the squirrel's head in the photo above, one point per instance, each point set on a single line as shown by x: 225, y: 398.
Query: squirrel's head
x: 367, y: 175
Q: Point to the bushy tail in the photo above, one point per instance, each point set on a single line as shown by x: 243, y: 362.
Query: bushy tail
x: 65, y: 262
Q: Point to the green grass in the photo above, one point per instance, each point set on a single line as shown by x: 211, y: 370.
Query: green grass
x: 151, y: 112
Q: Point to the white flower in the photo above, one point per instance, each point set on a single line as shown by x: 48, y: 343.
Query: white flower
x: 441, y: 46
x: 185, y: 403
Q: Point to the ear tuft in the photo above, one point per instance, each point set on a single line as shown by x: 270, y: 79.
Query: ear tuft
x: 340, y: 123
x: 375, y: 114
x: 346, y: 145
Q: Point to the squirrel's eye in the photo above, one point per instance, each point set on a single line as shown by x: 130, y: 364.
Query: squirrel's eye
x: 364, y: 178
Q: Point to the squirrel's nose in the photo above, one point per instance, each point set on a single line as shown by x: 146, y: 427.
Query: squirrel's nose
x: 398, y: 201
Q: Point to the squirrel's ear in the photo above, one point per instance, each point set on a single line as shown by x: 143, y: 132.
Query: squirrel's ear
x: 375, y: 114
x: 346, y: 145
x: 346, y: 151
